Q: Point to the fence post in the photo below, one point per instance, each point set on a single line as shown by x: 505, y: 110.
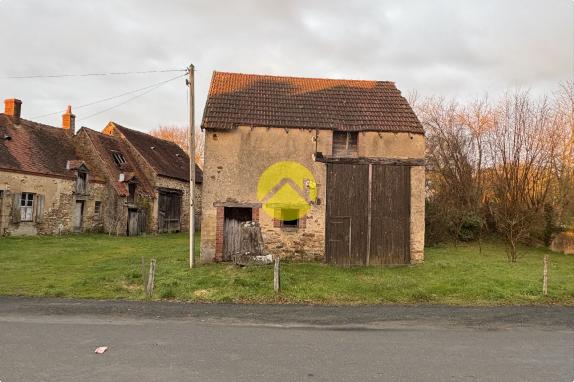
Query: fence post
x: 277, y: 276
x: 545, y: 282
x: 151, y: 278
x: 144, y: 280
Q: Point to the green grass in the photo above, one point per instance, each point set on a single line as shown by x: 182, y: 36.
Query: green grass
x: 104, y: 267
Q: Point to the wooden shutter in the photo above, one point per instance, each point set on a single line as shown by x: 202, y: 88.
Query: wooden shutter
x: 39, y: 208
x: 16, y: 207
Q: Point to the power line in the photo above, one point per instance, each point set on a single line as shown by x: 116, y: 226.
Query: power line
x: 111, y: 98
x: 132, y: 98
x: 91, y: 74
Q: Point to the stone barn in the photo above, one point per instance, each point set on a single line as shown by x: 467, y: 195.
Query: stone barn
x: 330, y: 169
x: 166, y: 167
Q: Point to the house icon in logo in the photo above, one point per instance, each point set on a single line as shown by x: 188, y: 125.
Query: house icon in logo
x: 286, y: 190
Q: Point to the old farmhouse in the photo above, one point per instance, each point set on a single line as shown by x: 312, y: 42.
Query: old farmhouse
x: 361, y: 144
x: 53, y: 180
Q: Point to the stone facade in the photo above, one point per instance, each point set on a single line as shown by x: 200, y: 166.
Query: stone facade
x: 70, y: 181
x: 59, y: 199
x: 159, y: 181
x: 234, y: 160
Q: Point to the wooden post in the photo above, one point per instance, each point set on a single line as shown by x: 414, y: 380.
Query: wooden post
x: 151, y: 278
x: 144, y: 280
x: 277, y: 276
x: 191, y: 143
x: 545, y: 282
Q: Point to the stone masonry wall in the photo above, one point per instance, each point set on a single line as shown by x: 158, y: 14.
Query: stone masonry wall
x: 59, y: 203
x: 233, y: 162
x: 235, y: 159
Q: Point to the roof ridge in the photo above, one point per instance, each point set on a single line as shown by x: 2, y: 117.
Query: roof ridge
x: 32, y: 123
x: 148, y: 135
x: 302, y: 77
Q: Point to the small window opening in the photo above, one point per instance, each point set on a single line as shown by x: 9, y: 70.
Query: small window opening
x: 345, y: 143
x: 118, y: 158
x: 26, y: 207
x: 289, y: 217
x: 97, y: 208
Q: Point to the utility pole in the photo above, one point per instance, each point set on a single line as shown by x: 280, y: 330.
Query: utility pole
x: 191, y: 143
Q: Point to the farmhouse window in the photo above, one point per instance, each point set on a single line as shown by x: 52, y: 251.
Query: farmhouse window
x: 345, y: 143
x: 82, y: 182
x: 27, y: 207
x: 287, y: 217
x: 97, y: 208
x: 118, y: 158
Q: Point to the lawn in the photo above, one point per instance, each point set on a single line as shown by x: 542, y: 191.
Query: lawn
x: 104, y: 267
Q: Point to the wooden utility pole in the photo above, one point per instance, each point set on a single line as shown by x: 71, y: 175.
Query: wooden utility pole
x: 191, y: 143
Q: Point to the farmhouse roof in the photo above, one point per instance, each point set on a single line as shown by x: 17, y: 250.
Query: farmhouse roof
x: 165, y: 157
x: 27, y: 146
x: 316, y: 103
x: 107, y: 146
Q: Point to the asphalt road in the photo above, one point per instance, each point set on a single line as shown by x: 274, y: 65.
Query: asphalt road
x: 54, y: 340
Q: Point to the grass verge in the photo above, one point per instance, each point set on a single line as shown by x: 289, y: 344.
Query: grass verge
x: 106, y: 267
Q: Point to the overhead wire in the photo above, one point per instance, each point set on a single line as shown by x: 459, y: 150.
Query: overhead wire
x: 112, y: 97
x: 133, y: 98
x: 33, y: 76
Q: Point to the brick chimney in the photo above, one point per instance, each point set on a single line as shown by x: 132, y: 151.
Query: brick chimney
x: 69, y: 121
x: 13, y: 108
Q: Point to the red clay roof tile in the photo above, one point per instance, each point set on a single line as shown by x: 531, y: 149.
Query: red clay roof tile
x: 35, y: 148
x: 315, y: 103
x: 166, y: 158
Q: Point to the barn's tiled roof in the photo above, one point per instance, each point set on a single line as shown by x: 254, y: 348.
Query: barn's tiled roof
x: 165, y: 157
x: 35, y: 148
x: 106, y: 146
x: 316, y: 103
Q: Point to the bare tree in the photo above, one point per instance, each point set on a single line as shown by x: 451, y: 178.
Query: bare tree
x: 522, y: 147
x: 563, y: 166
x: 455, y: 140
x: 178, y: 135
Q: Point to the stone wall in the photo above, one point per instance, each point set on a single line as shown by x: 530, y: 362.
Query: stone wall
x: 59, y: 202
x: 233, y: 162
x: 235, y: 159
x: 417, y: 230
x: 391, y: 145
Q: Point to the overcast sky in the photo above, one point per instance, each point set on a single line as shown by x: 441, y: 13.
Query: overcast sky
x: 451, y: 48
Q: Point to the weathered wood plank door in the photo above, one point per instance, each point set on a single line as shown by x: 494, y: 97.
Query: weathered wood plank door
x: 233, y: 217
x: 367, y: 214
x: 390, y: 215
x: 133, y: 225
x: 78, y: 216
x: 347, y: 214
x: 169, y: 211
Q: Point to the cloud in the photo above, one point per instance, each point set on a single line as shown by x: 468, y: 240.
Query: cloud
x: 444, y: 47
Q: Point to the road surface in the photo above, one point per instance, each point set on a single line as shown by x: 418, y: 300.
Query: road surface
x: 55, y: 339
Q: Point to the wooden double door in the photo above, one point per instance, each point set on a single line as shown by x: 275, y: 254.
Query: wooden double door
x: 367, y: 214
